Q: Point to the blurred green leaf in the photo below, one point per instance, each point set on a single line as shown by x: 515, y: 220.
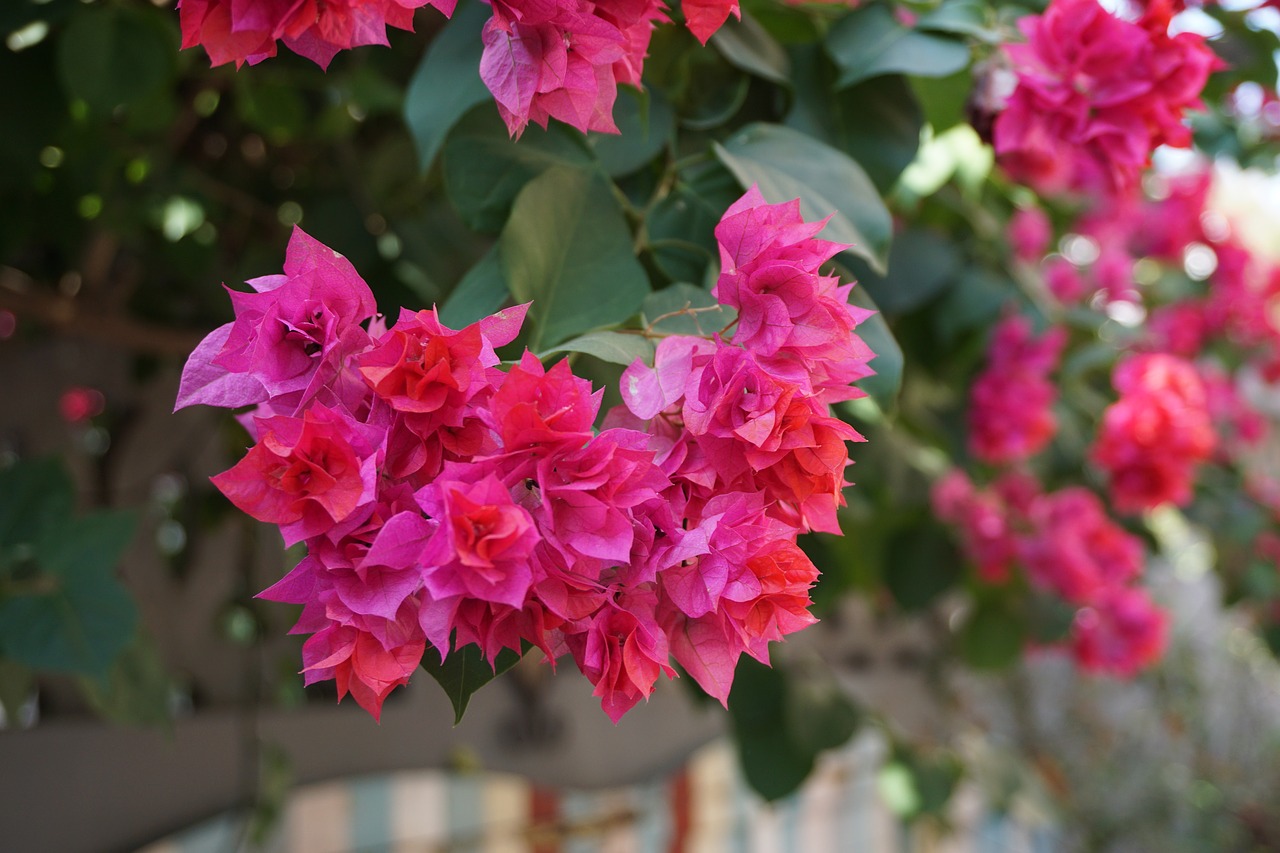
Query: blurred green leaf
x: 447, y: 82
x: 17, y: 683
x: 788, y: 164
x: 993, y: 635
x: 921, y: 564
x: 464, y: 672
x: 943, y: 99
x: 749, y: 46
x: 567, y: 248
x: 922, y: 264
x: 135, y: 690
x: 868, y: 42
x: 482, y: 291
x: 484, y: 169
x: 74, y: 616
x: 819, y: 713
x: 116, y: 55
x: 645, y: 124
x: 884, y: 386
x: 959, y: 17
x: 773, y: 763
x: 877, y: 122
x: 35, y: 494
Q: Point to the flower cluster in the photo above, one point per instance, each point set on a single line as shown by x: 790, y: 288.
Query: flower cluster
x: 1153, y: 438
x: 446, y: 502
x: 1096, y: 94
x: 542, y: 59
x: 243, y: 31
x: 1069, y: 547
x: 1010, y: 417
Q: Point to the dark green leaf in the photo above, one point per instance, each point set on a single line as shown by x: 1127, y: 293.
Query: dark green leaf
x: 680, y: 228
x: 748, y: 46
x: 884, y: 386
x: 645, y: 122
x: 482, y: 291
x: 274, y: 107
x: 974, y: 302
x: 567, y: 248
x: 17, y: 683
x: 868, y: 42
x: 77, y: 617
x: 772, y: 761
x: 484, y: 170
x: 447, y: 82
x: 136, y: 689
x: 787, y: 164
x: 877, y: 122
x: 960, y: 17
x: 34, y: 495
x: 818, y: 711
x: 464, y: 672
x: 943, y: 99
x: 993, y: 635
x: 922, y: 264
x: 613, y: 347
x: 669, y: 311
x: 111, y: 56
x: 922, y: 563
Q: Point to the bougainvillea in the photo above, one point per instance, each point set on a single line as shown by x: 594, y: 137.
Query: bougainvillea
x: 1010, y: 404
x: 445, y: 501
x: 1096, y: 94
x: 541, y: 60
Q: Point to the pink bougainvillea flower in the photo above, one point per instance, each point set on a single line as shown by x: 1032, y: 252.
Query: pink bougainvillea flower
x: 1121, y: 632
x: 704, y: 17
x: 360, y: 663
x: 1010, y: 404
x: 306, y: 474
x: 546, y: 60
x: 1154, y: 437
x: 622, y: 651
x: 243, y: 31
x: 481, y: 548
x: 1096, y: 94
x: 1074, y: 550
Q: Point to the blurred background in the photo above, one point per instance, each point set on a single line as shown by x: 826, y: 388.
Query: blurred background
x: 149, y: 701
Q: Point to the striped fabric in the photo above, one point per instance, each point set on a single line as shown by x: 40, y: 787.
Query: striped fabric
x: 704, y: 808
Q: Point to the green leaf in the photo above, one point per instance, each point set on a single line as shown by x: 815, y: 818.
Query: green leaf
x: 613, y: 347
x: 111, y: 56
x: 484, y: 170
x: 667, y: 311
x: 748, y: 46
x: 273, y: 107
x: 884, y: 386
x: 482, y: 291
x: 943, y: 99
x: 447, y: 82
x: 787, y: 164
x: 567, y: 248
x: 921, y: 564
x: 680, y: 227
x: 136, y: 689
x: 992, y: 636
x: 646, y: 125
x: 464, y: 672
x: 974, y: 302
x: 959, y: 17
x: 818, y: 712
x: 922, y: 264
x: 877, y: 122
x: 773, y: 763
x: 77, y: 617
x: 34, y: 495
x: 17, y: 683
x: 868, y: 42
